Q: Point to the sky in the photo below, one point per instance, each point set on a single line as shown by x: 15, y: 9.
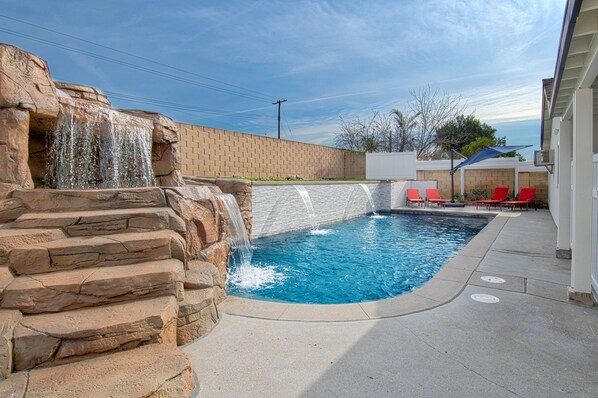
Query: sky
x: 223, y: 63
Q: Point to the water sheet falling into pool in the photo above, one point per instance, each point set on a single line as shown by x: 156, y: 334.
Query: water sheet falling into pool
x: 368, y: 193
x: 308, y: 206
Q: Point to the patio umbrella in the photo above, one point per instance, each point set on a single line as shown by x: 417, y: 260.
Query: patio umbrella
x: 486, y: 153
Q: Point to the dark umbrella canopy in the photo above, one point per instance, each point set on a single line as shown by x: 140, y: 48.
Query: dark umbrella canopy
x: 487, y: 153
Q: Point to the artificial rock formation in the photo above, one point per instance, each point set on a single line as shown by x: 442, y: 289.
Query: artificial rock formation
x: 30, y: 104
x: 86, y: 93
x: 239, y: 188
x: 26, y: 90
x: 25, y: 83
x: 87, y: 274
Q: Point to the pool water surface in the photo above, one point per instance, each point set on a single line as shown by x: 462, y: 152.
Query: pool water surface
x: 365, y: 259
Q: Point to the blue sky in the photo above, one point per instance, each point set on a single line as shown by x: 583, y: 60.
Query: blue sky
x: 329, y: 59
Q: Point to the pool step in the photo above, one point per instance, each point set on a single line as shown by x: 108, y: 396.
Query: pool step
x: 51, y: 200
x: 13, y: 238
x: 103, y: 222
x: 93, y: 251
x: 87, y: 287
x: 154, y: 370
x: 52, y: 339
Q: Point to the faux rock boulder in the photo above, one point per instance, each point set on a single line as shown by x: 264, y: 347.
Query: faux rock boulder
x: 25, y: 83
x: 197, y: 206
x: 14, y: 153
x: 85, y: 93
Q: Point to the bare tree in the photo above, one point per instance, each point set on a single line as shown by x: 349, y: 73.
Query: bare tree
x: 404, y: 129
x: 434, y: 109
x: 366, y: 135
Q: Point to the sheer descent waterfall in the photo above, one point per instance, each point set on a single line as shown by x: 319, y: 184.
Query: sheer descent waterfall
x: 238, y: 234
x: 96, y: 147
x: 370, y: 199
x: 308, y: 205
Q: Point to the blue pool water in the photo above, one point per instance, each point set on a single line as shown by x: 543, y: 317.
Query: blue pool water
x: 365, y: 259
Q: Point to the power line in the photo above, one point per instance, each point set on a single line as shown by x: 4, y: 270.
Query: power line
x: 287, y: 123
x: 130, y: 65
x: 266, y: 96
x: 171, y: 105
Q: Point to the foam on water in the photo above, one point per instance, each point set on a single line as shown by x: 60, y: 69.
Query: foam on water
x: 321, y: 231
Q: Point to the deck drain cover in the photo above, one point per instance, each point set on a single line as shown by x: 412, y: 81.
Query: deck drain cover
x: 485, y: 298
x: 492, y: 279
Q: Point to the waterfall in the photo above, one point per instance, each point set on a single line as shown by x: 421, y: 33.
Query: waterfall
x: 308, y: 206
x: 238, y: 234
x: 370, y: 199
x: 243, y: 274
x: 96, y: 147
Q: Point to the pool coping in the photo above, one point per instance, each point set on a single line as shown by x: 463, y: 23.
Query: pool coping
x: 447, y: 284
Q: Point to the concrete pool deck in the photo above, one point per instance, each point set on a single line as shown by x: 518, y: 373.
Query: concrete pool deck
x: 436, y: 341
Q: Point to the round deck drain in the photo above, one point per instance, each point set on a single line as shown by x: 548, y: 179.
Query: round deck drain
x: 492, y: 279
x: 485, y: 298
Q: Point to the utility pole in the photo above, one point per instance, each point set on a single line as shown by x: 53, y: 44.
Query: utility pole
x: 279, y: 102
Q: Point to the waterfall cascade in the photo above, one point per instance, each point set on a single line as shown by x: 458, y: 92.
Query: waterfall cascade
x: 97, y: 147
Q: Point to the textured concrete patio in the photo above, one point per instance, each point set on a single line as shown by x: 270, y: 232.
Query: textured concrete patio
x: 532, y: 343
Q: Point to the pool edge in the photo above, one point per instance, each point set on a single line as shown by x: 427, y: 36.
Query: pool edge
x: 447, y: 284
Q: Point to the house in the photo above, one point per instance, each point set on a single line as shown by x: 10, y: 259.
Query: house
x: 570, y: 130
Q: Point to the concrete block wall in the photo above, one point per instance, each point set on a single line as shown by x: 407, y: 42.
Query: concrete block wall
x: 278, y: 208
x: 210, y: 152
x: 443, y: 180
x: 488, y: 179
x: 536, y: 180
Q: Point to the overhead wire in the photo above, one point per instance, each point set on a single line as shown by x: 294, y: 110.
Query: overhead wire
x: 266, y: 96
x: 287, y: 123
x: 130, y: 65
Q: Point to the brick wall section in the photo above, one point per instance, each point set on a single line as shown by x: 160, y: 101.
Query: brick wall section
x: 488, y: 179
x: 211, y: 152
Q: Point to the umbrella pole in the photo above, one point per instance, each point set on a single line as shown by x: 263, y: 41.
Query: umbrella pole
x: 452, y: 179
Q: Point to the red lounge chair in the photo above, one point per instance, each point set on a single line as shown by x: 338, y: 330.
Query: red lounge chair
x: 413, y: 196
x: 433, y: 196
x: 526, y: 195
x: 500, y: 195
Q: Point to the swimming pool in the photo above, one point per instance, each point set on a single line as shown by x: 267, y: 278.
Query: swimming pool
x: 369, y: 258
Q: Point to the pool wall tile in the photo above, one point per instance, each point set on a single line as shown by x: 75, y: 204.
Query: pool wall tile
x: 279, y: 208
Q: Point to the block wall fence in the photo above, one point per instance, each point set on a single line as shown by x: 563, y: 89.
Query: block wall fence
x: 210, y: 152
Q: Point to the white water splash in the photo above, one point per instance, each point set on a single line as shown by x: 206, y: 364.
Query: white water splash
x: 251, y: 277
